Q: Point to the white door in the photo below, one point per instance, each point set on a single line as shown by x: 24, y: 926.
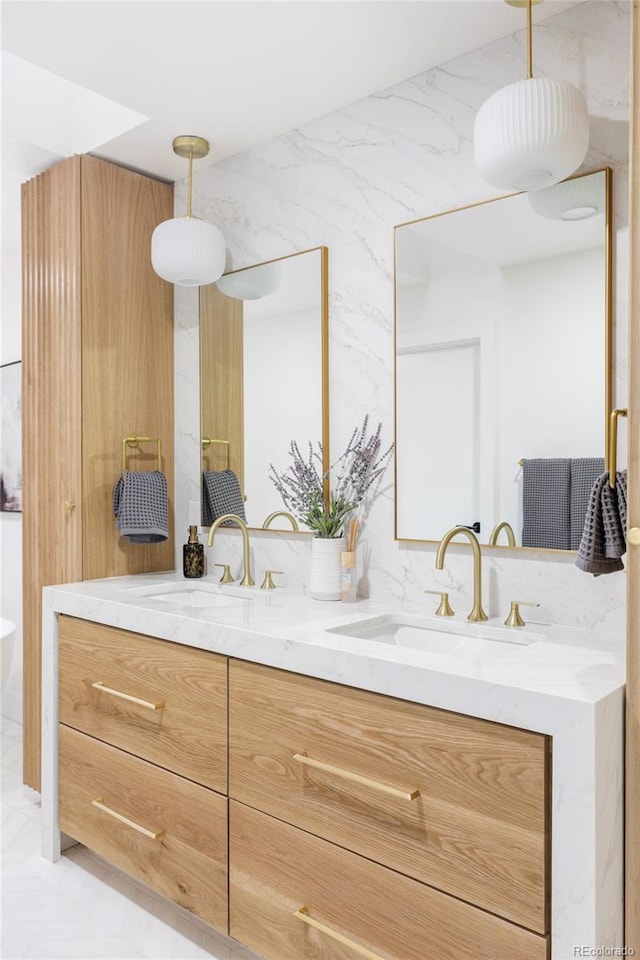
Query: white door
x: 428, y: 379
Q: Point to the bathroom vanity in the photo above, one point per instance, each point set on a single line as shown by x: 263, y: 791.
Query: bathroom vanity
x: 317, y: 780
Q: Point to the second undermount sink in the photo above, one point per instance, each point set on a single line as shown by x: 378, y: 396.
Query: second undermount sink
x: 197, y: 596
x: 435, y: 636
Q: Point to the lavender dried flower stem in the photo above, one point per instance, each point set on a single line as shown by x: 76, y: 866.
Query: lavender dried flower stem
x: 357, y: 470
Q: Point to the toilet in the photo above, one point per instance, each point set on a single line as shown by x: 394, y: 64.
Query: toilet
x: 11, y: 692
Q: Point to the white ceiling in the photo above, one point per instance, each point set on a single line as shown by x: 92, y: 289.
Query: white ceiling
x: 237, y: 73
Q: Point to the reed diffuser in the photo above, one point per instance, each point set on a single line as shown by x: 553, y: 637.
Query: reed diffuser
x: 348, y: 580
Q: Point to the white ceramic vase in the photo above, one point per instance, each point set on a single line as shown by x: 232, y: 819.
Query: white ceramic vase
x: 324, y: 583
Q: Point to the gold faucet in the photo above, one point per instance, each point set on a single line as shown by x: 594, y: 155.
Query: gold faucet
x: 495, y: 533
x: 280, y: 513
x: 247, y: 580
x: 477, y: 613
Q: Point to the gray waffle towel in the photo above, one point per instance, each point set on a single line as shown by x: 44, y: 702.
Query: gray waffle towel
x: 584, y: 473
x: 140, y: 505
x: 604, y: 539
x: 221, y: 494
x: 546, y: 499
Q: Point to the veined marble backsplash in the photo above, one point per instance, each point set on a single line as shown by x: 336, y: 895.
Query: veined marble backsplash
x: 344, y: 181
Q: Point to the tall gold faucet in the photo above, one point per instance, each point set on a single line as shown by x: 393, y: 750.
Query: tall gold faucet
x: 247, y: 580
x: 280, y: 513
x: 495, y: 533
x: 477, y: 613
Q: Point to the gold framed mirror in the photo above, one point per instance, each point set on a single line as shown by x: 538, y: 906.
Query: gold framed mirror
x: 503, y: 363
x: 264, y: 377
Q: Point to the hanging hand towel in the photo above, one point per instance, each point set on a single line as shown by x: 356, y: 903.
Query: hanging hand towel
x: 546, y: 497
x: 140, y: 505
x: 221, y: 494
x: 584, y: 473
x: 604, y: 539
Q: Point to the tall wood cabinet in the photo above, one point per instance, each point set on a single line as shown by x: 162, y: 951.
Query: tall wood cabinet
x: 97, y: 366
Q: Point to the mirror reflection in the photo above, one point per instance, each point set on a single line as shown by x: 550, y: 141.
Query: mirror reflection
x: 263, y: 380
x: 502, y: 391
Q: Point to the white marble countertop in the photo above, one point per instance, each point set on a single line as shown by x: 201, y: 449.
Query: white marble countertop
x: 504, y: 681
x: 567, y: 683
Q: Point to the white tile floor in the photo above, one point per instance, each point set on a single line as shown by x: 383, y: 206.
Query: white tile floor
x: 80, y: 908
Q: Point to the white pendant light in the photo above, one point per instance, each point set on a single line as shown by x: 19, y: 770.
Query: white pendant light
x: 185, y: 250
x: 532, y: 133
x: 254, y: 283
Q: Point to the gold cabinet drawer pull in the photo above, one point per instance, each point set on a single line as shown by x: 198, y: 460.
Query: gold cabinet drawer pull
x: 356, y: 778
x: 303, y: 914
x: 129, y: 823
x: 127, y: 696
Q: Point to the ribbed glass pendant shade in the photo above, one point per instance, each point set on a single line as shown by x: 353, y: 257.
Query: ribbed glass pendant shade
x: 252, y: 284
x: 576, y: 199
x: 531, y: 134
x: 188, y: 252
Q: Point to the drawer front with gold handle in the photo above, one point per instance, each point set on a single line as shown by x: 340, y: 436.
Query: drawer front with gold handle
x: 161, y: 701
x: 168, y: 832
x: 293, y: 895
x: 452, y: 801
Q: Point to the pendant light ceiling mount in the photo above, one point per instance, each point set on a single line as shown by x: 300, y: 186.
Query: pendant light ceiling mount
x: 188, y: 251
x: 192, y: 148
x: 532, y: 133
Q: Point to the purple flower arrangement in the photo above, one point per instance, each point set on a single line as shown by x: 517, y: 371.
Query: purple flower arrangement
x: 356, y: 471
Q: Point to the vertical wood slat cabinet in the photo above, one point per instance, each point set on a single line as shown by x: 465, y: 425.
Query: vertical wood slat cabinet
x: 97, y: 366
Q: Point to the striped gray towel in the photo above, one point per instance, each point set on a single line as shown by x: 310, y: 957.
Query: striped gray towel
x: 604, y: 539
x: 584, y: 473
x: 546, y: 503
x: 140, y: 505
x: 221, y: 494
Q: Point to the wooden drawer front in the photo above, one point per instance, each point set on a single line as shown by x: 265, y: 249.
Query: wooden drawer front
x: 277, y: 869
x: 477, y: 827
x: 187, y: 735
x: 187, y: 862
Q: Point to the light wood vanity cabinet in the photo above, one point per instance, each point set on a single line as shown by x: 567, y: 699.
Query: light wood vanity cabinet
x: 456, y: 803
x: 97, y: 356
x: 143, y: 760
x: 358, y: 824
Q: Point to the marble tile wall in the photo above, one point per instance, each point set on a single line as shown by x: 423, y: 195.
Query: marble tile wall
x: 344, y: 180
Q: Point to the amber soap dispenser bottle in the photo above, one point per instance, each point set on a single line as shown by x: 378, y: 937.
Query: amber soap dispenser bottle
x: 193, y: 555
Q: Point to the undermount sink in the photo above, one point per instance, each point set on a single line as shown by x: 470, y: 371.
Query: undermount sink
x: 434, y: 636
x: 197, y: 596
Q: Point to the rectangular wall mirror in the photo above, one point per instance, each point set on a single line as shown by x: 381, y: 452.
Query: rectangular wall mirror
x: 263, y: 376
x: 502, y: 356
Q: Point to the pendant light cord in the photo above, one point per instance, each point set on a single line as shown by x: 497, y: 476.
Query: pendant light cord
x: 190, y: 190
x: 529, y: 43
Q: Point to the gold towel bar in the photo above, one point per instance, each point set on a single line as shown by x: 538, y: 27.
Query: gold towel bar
x: 612, y: 453
x: 133, y: 441
x: 207, y: 441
